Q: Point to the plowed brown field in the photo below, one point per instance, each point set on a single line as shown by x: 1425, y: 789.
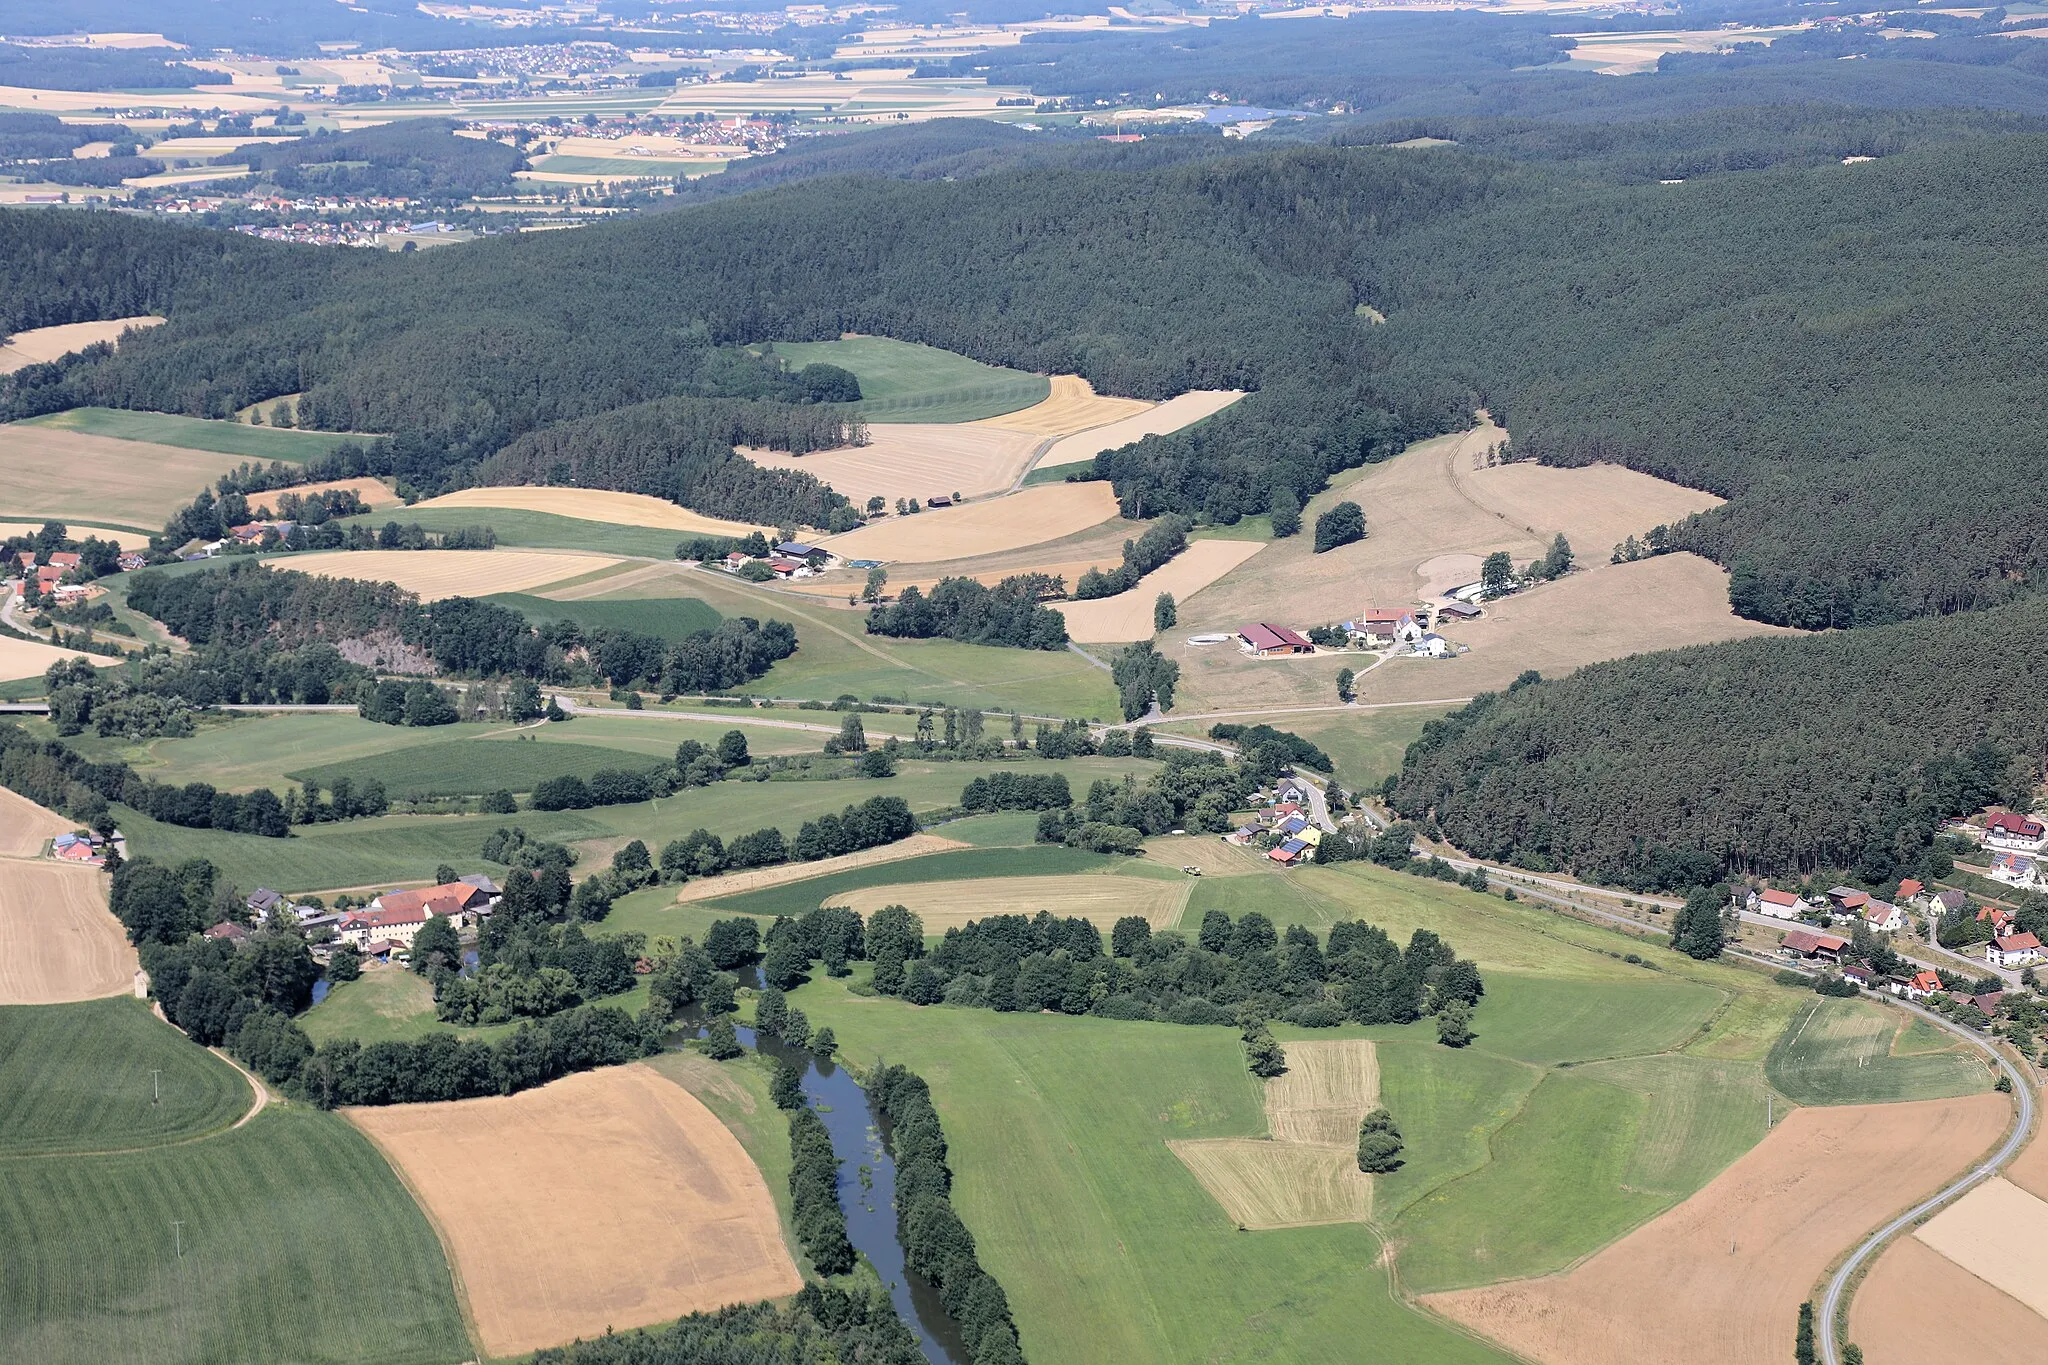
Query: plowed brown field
x: 1746, y: 1249
x: 612, y: 1198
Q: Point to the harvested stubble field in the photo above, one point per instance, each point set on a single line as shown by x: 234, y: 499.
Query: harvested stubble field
x: 902, y: 460
x: 449, y: 573
x: 58, y: 940
x: 1596, y: 507
x: 924, y: 579
x: 1788, y: 1207
x: 1919, y: 1305
x: 1102, y: 901
x: 1425, y: 534
x: 136, y: 483
x: 1161, y: 420
x: 127, y: 540
x: 41, y: 344
x: 761, y: 878
x: 2029, y: 1170
x: 1073, y: 405
x: 612, y: 1198
x: 1128, y: 615
x: 1307, y: 1174
x: 593, y: 504
x: 1030, y: 517
x: 375, y: 493
x: 1999, y: 1233
x: 25, y: 826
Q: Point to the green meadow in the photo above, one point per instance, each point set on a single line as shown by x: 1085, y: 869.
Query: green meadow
x: 132, y: 1231
x: 392, y: 1004
x: 1851, y: 1052
x: 539, y: 529
x: 904, y: 382
x: 195, y: 433
x: 667, y: 618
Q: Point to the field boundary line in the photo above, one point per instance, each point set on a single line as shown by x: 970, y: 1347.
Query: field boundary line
x: 462, y: 1304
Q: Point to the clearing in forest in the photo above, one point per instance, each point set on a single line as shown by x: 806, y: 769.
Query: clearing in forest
x: 58, y: 940
x: 1030, y: 517
x: 135, y: 483
x: 42, y: 344
x: 1128, y: 615
x: 1747, y: 1248
x: 1307, y: 1173
x: 596, y: 504
x: 902, y: 381
x: 448, y: 573
x: 1162, y: 420
x: 1102, y: 901
x: 608, y: 1199
x: 1999, y: 1233
x: 1596, y: 507
x: 1919, y: 1305
x: 1072, y: 406
x: 902, y: 460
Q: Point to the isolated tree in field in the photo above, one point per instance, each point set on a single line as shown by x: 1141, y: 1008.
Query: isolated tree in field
x: 1558, y: 562
x: 1263, y: 1054
x: 1696, y: 929
x: 732, y: 749
x: 853, y: 737
x: 436, y: 947
x: 1379, y: 1143
x: 1454, y: 1024
x: 1164, y: 612
x: 1497, y: 574
x: 1347, y: 691
x: 1285, y: 507
x: 1340, y: 525
x: 877, y: 505
x: 877, y: 580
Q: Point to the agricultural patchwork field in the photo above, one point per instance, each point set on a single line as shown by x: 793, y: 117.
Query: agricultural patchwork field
x: 902, y: 460
x: 1030, y: 517
x: 25, y: 827
x: 794, y: 897
x: 1999, y: 1233
x: 901, y: 381
x: 127, y: 540
x: 134, y: 483
x: 448, y: 573
x: 762, y: 878
x: 1128, y: 615
x: 39, y: 345
x: 593, y: 504
x: 610, y: 1198
x: 1917, y: 1304
x: 1162, y: 419
x: 1747, y: 1248
x: 1072, y: 405
x: 195, y: 433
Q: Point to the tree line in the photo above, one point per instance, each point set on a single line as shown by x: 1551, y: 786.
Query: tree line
x: 973, y: 613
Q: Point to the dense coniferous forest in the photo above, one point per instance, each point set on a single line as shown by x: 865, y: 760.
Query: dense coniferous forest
x: 1771, y: 756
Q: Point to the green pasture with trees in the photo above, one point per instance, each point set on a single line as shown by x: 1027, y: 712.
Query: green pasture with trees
x: 901, y: 381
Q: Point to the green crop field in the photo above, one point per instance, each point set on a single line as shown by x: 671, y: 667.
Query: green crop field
x: 106, y: 1075
x: 1841, y: 1052
x: 1106, y: 1245
x: 794, y: 898
x: 668, y: 618
x: 538, y: 529
x: 904, y: 382
x: 473, y: 766
x: 298, y: 1243
x: 196, y: 433
x: 398, y: 848
x: 1546, y: 1021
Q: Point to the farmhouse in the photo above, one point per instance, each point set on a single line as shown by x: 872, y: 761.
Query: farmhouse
x: 1778, y: 904
x: 1910, y: 889
x: 1826, y: 947
x: 79, y: 848
x: 1433, y: 645
x: 1457, y: 611
x: 1263, y: 641
x: 2011, y: 831
x: 455, y: 899
x: 2013, y: 950
x: 1846, y: 903
x: 1379, y: 625
x: 228, y: 931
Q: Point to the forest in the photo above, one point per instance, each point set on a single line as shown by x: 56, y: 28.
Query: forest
x: 79, y: 68
x: 969, y: 611
x: 1773, y: 757
x: 413, y: 158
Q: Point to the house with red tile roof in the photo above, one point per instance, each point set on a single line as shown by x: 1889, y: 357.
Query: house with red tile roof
x: 2014, y: 950
x: 1826, y: 947
x: 1920, y: 985
x: 1910, y: 889
x: 2010, y: 830
x: 1778, y: 904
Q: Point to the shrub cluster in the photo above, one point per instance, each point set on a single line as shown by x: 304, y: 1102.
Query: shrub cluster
x: 1017, y: 791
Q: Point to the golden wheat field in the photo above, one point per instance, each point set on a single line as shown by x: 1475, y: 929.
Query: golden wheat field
x: 41, y: 344
x: 596, y: 504
x: 1917, y: 1304
x: 137, y: 483
x: 1160, y: 420
x: 58, y: 940
x: 1128, y: 615
x: 1327, y: 1088
x: 1030, y: 517
x: 448, y: 573
x: 911, y: 460
x: 375, y: 493
x: 1073, y: 405
x: 78, y: 530
x: 1262, y: 1184
x: 1999, y: 1233
x: 28, y: 658
x: 1101, y: 900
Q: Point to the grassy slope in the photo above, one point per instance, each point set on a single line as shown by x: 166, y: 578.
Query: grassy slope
x: 1367, y: 745
x: 77, y: 1078
x: 904, y: 382
x: 670, y: 618
x: 1108, y: 1248
x: 195, y: 433
x: 538, y: 529
x: 473, y: 766
x: 961, y: 864
x: 391, y: 1004
x: 1843, y: 1052
x: 299, y: 1244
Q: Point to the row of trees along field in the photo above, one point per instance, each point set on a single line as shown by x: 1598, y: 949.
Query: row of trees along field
x: 1777, y: 757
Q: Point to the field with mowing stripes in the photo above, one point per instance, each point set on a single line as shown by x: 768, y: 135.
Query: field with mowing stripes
x: 470, y: 767
x: 904, y: 382
x: 134, y: 483
x: 1100, y: 900
x: 1843, y: 1052
x: 534, y: 530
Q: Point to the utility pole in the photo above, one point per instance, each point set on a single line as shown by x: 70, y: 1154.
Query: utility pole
x: 156, y: 1087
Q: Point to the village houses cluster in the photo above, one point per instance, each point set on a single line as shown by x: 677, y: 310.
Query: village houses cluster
x: 384, y: 928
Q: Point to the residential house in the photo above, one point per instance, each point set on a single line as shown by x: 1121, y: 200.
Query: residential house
x: 2016, y: 869
x: 263, y: 901
x: 1884, y: 917
x: 1377, y: 625
x: 1778, y: 904
x: 1263, y: 641
x: 1910, y: 890
x: 1987, y: 1002
x: 2009, y: 830
x: 1433, y: 645
x: 1919, y: 986
x: 1947, y: 902
x: 63, y: 561
x: 1860, y: 974
x: 2013, y: 950
x: 734, y: 560
x: 1846, y: 903
x: 229, y: 931
x: 1997, y: 916
x: 1826, y: 947
x: 1289, y: 853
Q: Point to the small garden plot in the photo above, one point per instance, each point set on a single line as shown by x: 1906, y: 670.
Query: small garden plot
x: 1102, y: 901
x: 435, y: 574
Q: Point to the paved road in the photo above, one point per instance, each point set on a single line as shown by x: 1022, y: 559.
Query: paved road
x: 1832, y: 1303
